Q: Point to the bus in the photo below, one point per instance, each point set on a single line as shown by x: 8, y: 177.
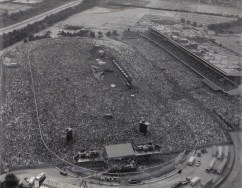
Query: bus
x: 40, y: 177
x: 191, y: 160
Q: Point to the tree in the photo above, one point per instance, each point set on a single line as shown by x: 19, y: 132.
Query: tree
x: 100, y: 34
x: 194, y: 24
x: 115, y: 32
x: 183, y: 20
x: 92, y: 34
x: 11, y: 181
x: 188, y: 22
x: 108, y: 33
x: 31, y: 37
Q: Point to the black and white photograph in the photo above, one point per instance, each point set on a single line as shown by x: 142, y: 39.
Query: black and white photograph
x: 120, y: 94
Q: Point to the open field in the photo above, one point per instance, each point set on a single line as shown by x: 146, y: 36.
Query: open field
x: 12, y: 8
x: 27, y: 1
x: 115, y: 18
x: 232, y: 42
x: 70, y: 94
x: 181, y: 5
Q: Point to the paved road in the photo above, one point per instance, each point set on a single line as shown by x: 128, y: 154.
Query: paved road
x: 52, y: 173
x: 234, y: 180
x: 38, y: 17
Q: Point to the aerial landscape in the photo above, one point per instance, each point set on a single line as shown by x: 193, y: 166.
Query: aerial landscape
x: 100, y: 93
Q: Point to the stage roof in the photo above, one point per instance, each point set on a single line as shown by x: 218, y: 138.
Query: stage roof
x: 119, y: 150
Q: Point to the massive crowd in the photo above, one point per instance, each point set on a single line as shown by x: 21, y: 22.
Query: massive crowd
x: 68, y: 95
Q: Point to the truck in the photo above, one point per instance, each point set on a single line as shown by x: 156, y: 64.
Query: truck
x: 206, y: 183
x: 215, y: 167
x: 211, y: 165
x: 195, y: 180
x: 199, y: 153
x: 214, y: 151
x: 222, y: 166
x: 191, y: 160
x: 40, y: 177
x: 220, y: 152
x: 226, y: 152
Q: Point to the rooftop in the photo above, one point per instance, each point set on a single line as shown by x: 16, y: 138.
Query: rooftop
x: 119, y: 150
x: 197, y: 42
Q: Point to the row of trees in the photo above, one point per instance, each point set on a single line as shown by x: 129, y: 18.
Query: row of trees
x: 88, y: 33
x: 175, y: 10
x: 195, y: 24
x: 225, y: 25
x: 11, y: 18
x: 18, y: 35
x: 82, y: 33
x: 38, y: 37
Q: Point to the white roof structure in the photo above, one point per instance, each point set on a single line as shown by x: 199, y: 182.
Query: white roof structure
x: 222, y: 59
x: 119, y: 150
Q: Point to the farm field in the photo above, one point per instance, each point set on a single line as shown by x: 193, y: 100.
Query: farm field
x: 69, y: 93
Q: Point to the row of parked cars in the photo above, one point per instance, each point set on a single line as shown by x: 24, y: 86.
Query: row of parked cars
x: 123, y: 168
x: 109, y: 179
x: 86, y: 155
x: 147, y: 147
x: 193, y: 181
x: 116, y: 179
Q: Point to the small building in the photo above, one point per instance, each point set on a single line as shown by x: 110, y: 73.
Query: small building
x: 143, y: 127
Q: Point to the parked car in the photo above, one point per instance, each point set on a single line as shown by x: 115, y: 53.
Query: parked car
x: 134, y: 181
x: 64, y: 173
x: 185, y: 182
x: 177, y: 184
x: 198, y: 163
x: 188, y: 178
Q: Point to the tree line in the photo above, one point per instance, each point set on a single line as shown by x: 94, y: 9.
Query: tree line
x: 225, y: 25
x: 11, y: 18
x: 18, y: 35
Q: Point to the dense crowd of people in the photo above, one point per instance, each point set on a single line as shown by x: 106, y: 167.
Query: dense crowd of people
x: 68, y: 95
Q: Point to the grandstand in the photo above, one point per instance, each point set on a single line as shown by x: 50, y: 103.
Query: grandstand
x: 219, y: 74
